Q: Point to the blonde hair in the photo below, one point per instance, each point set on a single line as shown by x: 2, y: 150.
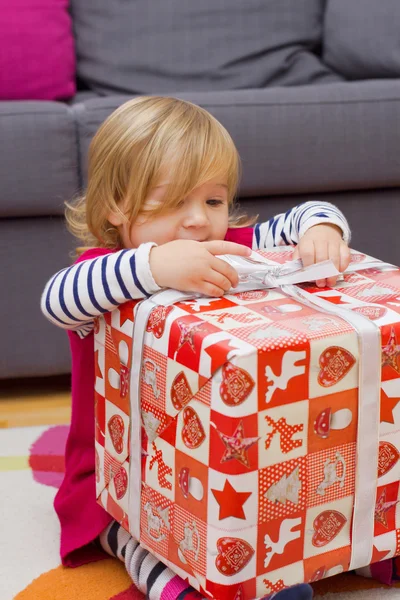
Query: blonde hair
x: 138, y: 142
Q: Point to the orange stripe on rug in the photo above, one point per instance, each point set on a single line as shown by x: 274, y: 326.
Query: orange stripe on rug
x: 101, y: 580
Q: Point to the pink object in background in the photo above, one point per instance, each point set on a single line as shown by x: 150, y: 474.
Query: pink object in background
x: 46, y: 456
x: 37, y: 56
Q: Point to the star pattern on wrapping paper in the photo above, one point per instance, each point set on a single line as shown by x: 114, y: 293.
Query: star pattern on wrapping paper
x: 219, y: 353
x: 387, y: 407
x: 333, y: 299
x: 230, y: 501
x: 125, y: 316
x: 382, y: 507
x: 378, y: 555
x: 391, y: 352
x: 187, y: 332
x: 237, y: 445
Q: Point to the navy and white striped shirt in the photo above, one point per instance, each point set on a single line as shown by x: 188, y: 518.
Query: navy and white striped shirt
x: 76, y: 295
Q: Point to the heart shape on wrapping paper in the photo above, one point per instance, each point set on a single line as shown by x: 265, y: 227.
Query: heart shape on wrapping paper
x: 252, y: 295
x: 193, y: 434
x: 181, y: 393
x: 387, y: 458
x: 236, y: 385
x: 116, y: 429
x: 357, y: 257
x: 157, y: 318
x: 121, y: 483
x: 234, y: 555
x: 327, y: 525
x: 335, y: 363
x: 371, y: 312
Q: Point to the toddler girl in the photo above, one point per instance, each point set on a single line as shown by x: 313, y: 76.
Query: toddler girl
x: 158, y: 209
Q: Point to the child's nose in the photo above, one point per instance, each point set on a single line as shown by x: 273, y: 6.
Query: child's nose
x: 196, y: 217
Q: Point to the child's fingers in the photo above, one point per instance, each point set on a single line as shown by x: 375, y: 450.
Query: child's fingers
x: 345, y: 257
x: 222, y: 247
x: 334, y: 255
x: 218, y: 279
x: 209, y: 289
x: 307, y: 252
x: 225, y: 269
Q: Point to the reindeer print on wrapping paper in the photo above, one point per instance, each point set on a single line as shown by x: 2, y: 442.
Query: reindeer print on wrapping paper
x: 286, y: 433
x: 290, y: 369
x: 163, y: 468
x: 286, y: 535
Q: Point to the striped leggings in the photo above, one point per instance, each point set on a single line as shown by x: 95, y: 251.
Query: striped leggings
x: 154, y: 579
x: 150, y: 576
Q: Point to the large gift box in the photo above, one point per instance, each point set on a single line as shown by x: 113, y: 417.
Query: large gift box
x: 252, y: 441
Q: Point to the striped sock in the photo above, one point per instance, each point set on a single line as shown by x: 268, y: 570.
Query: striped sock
x: 150, y: 576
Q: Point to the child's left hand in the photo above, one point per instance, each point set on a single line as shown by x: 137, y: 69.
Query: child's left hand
x: 323, y: 242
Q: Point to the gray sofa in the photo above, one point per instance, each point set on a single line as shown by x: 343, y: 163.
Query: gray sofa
x: 317, y: 117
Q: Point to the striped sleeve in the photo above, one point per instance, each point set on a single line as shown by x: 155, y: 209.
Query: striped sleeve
x: 74, y: 296
x: 287, y: 228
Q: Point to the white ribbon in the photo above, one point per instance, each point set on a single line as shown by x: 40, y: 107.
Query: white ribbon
x: 255, y: 273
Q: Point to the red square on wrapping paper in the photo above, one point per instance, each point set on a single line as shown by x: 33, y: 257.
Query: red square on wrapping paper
x: 200, y: 305
x: 155, y: 422
x: 118, y: 348
x: 331, y: 474
x: 282, y: 490
x: 186, y: 338
x: 246, y: 589
x: 327, y: 565
x: 234, y: 444
x: 333, y: 420
x: 191, y: 484
x: 100, y: 418
x: 390, y: 338
x: 280, y: 542
x: 387, y: 498
x: 283, y: 372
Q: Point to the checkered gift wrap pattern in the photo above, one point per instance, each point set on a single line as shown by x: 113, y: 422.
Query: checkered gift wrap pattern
x: 249, y: 410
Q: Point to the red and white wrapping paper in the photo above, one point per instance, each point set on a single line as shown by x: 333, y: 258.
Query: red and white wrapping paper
x: 264, y: 448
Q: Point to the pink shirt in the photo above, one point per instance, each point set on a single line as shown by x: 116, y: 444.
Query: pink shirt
x: 82, y: 519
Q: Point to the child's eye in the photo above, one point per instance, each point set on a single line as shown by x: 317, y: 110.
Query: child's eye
x: 214, y: 202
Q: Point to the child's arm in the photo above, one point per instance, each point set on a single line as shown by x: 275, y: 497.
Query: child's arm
x: 76, y: 295
x: 287, y: 228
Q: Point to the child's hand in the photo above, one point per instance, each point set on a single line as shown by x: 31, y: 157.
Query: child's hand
x: 191, y: 266
x: 323, y: 242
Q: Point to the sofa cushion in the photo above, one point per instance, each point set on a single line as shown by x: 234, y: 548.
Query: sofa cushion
x: 164, y: 46
x: 362, y: 38
x: 37, y: 59
x: 31, y: 251
x: 321, y: 138
x: 38, y: 158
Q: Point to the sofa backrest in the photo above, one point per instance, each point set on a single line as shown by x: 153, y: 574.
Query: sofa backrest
x: 167, y: 46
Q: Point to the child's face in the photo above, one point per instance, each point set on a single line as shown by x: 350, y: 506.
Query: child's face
x: 202, y: 216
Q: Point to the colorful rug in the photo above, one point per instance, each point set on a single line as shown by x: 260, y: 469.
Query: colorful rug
x: 31, y: 470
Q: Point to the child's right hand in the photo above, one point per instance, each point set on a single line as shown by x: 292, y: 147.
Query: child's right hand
x: 190, y: 266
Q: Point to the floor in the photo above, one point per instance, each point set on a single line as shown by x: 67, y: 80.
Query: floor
x: 38, y: 401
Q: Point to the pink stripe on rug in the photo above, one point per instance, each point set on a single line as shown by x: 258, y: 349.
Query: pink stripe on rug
x: 173, y: 588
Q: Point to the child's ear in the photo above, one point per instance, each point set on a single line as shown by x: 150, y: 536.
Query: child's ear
x: 115, y: 218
